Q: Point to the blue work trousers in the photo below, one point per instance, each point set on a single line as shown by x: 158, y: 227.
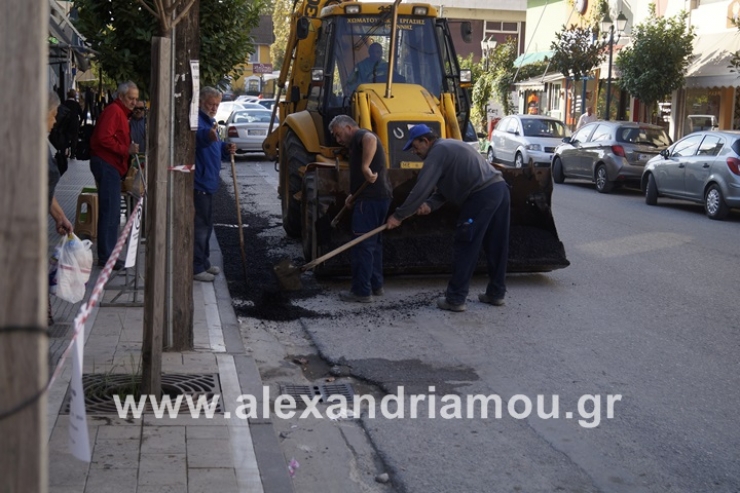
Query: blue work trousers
x: 109, y: 206
x: 367, y: 256
x: 203, y: 203
x: 489, y: 210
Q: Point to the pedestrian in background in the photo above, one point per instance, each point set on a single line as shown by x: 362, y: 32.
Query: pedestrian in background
x: 366, y: 163
x: 209, y: 152
x: 76, y: 121
x: 110, y: 148
x: 461, y: 175
x: 137, y: 124
x: 587, y: 117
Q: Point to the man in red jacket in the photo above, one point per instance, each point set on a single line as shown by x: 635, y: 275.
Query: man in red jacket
x: 110, y: 147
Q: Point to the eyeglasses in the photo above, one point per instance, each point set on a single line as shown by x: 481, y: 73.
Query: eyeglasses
x: 139, y: 108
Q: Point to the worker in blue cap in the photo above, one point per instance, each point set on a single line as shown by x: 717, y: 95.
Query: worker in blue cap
x: 453, y: 171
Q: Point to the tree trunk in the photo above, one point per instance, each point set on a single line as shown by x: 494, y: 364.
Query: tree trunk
x: 187, y: 48
x: 24, y: 349
x: 158, y: 138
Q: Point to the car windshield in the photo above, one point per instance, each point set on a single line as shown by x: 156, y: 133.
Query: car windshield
x: 249, y: 116
x: 655, y: 137
x: 542, y: 128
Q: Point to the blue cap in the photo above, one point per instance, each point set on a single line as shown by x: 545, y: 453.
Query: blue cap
x: 416, y: 132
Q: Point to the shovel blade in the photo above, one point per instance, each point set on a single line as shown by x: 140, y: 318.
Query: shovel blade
x: 288, y: 276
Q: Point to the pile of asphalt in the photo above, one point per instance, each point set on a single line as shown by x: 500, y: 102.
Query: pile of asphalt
x: 260, y: 295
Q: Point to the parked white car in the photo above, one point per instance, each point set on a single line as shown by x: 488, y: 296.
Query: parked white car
x: 517, y: 139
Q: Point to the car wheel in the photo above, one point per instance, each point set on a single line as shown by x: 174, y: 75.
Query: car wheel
x: 651, y: 191
x: 518, y: 160
x: 714, y: 203
x: 603, y: 185
x: 557, y: 170
x: 489, y: 155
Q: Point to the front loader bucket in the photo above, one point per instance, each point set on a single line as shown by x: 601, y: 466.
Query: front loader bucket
x: 423, y: 244
x: 534, y: 245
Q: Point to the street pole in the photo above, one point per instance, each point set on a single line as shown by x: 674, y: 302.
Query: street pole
x: 609, y: 74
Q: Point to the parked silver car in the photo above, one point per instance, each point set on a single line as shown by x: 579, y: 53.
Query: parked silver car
x: 517, y: 139
x: 608, y: 152
x: 248, y: 129
x: 703, y: 167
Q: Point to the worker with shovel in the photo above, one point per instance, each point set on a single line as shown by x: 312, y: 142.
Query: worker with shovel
x: 461, y: 175
x: 371, y: 202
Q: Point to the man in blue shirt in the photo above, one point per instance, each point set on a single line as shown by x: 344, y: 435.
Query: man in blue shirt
x: 209, y: 152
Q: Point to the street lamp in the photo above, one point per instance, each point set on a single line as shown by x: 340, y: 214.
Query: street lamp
x: 608, y: 25
x: 487, y: 45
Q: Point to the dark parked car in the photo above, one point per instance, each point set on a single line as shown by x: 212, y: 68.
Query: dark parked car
x: 608, y: 153
x: 703, y: 167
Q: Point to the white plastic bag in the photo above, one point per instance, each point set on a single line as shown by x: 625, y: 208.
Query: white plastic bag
x: 73, y: 268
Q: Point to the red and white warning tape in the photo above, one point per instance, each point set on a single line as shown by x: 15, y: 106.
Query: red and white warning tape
x: 86, y: 309
x: 183, y: 168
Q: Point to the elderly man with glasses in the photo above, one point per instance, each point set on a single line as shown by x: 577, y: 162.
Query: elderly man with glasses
x: 137, y: 124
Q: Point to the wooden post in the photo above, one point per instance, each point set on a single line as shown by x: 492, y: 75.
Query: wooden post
x: 156, y: 254
x: 187, y: 47
x: 24, y: 348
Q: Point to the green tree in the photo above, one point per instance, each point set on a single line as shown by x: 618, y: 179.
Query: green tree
x: 653, y: 66
x: 282, y: 10
x: 734, y: 65
x: 496, y: 80
x: 577, y: 51
x: 121, y: 32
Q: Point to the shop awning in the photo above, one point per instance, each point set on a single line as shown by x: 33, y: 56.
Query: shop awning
x: 527, y: 58
x: 712, y: 56
x: 538, y: 83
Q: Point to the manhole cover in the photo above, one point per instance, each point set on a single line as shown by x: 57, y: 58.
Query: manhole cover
x: 323, y: 390
x: 100, y: 390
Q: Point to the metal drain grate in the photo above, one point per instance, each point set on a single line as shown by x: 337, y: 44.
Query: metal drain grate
x: 100, y: 388
x: 323, y: 390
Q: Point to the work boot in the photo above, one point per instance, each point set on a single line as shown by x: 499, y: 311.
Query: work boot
x: 443, y: 304
x: 484, y: 298
x: 350, y: 296
x: 204, y: 276
x: 213, y: 270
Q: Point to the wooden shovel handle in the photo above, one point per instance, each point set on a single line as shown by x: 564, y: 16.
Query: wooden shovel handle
x: 344, y: 209
x: 342, y: 248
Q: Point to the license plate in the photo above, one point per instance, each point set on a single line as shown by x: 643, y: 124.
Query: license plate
x: 411, y: 164
x: 257, y: 132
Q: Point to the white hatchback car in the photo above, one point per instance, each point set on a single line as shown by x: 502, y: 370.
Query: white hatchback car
x: 517, y: 139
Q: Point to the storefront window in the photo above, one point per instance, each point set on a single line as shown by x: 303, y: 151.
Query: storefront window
x: 702, y: 110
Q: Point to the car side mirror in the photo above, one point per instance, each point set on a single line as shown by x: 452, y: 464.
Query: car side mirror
x: 566, y: 140
x: 665, y: 153
x: 466, y: 31
x: 221, y: 122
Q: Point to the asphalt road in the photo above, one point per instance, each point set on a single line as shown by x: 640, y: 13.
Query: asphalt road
x: 645, y: 316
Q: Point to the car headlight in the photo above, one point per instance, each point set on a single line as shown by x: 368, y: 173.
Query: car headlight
x: 534, y: 147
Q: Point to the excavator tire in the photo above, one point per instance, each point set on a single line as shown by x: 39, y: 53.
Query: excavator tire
x: 297, y: 157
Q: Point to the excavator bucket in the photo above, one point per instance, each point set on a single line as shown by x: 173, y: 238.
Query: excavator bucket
x: 423, y: 244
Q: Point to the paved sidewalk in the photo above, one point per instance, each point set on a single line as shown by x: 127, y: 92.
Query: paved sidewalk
x: 181, y: 454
